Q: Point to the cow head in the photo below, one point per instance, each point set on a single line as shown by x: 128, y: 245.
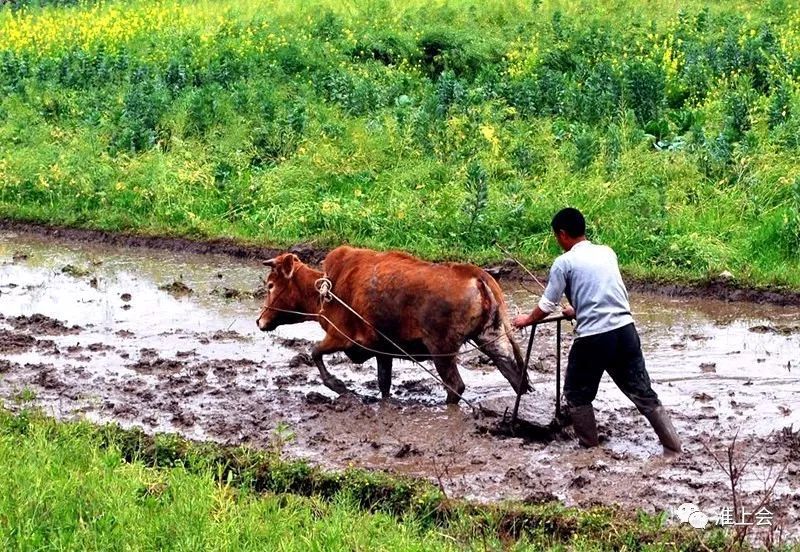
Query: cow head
x: 286, y: 290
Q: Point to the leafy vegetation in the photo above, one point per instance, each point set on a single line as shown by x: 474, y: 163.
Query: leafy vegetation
x: 74, y: 486
x: 432, y: 128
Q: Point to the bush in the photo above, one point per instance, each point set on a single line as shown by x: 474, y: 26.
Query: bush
x: 355, y: 94
x: 644, y: 89
x: 779, y: 109
x: 275, y: 141
x: 586, y: 149
x: 385, y: 47
x: 144, y: 104
x: 204, y: 109
x: 737, y: 103
x: 443, y: 50
x: 477, y: 188
x: 601, y: 94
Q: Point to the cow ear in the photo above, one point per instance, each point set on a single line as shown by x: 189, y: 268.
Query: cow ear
x: 287, y: 265
x: 268, y: 262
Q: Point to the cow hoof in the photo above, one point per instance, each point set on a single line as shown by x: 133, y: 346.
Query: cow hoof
x: 337, y: 386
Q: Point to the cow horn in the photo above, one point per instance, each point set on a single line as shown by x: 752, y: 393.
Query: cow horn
x: 268, y: 262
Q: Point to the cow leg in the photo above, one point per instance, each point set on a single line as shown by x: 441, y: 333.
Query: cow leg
x: 499, y: 345
x: 448, y: 371
x: 384, y: 375
x: 328, y: 345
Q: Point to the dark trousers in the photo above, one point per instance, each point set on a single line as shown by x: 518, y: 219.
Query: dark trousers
x: 618, y: 352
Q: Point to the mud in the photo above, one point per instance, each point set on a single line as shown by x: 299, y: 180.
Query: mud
x: 177, y: 288
x: 15, y: 343
x: 40, y: 324
x: 782, y: 330
x: 196, y: 364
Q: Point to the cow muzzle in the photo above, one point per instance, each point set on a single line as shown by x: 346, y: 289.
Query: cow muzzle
x: 264, y: 324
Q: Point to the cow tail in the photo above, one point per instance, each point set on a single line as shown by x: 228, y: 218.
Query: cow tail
x: 499, y: 314
x: 490, y: 305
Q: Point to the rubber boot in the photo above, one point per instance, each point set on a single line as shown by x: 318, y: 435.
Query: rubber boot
x: 584, y: 424
x: 660, y: 421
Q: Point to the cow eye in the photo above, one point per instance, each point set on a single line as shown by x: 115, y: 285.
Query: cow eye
x: 270, y: 286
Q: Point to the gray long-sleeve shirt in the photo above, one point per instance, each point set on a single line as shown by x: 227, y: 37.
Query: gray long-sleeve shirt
x: 589, y: 276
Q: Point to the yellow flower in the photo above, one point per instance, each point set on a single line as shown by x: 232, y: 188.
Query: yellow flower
x: 490, y: 135
x: 330, y: 207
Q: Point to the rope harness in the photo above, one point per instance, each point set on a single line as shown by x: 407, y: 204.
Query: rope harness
x: 323, y: 286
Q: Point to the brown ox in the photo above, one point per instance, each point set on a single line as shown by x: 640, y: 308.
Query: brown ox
x: 428, y: 310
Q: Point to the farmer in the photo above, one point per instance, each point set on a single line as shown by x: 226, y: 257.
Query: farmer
x: 606, y: 338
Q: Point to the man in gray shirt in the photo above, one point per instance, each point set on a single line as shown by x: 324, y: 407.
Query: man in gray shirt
x: 606, y: 337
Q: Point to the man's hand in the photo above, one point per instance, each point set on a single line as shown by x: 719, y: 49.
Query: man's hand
x: 521, y: 321
x: 568, y: 312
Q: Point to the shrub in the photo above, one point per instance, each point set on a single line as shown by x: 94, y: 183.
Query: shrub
x: 275, y: 141
x: 792, y: 214
x: 477, y: 188
x: 586, y: 149
x: 144, y: 104
x: 441, y: 50
x: 355, y: 94
x: 693, y: 251
x: 716, y: 156
x: 600, y: 95
x: 329, y: 26
x: 449, y: 91
x: 737, y: 103
x: 386, y: 47
x: 204, y: 108
x: 779, y: 109
x: 644, y: 89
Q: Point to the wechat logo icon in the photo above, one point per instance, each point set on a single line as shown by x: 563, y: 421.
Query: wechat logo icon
x: 691, y: 514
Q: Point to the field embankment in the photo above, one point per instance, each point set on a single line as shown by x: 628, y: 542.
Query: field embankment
x: 74, y: 486
x: 432, y: 128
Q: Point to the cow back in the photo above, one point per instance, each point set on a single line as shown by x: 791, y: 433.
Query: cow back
x: 405, y: 297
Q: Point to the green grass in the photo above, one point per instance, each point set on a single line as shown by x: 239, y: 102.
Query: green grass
x: 431, y: 127
x: 75, y: 486
x: 60, y: 491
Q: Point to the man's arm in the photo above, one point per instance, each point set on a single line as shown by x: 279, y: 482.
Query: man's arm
x: 556, y: 284
x: 527, y: 319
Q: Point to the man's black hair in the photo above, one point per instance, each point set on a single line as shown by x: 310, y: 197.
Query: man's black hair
x: 571, y: 221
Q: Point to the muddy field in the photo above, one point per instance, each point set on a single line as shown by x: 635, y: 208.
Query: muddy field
x: 167, y: 341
